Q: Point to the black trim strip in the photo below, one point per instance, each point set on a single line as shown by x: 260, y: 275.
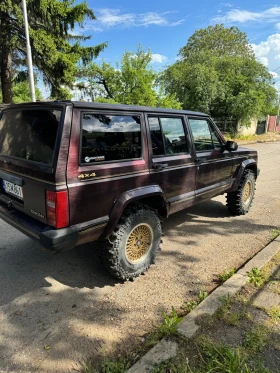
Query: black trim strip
x: 182, y: 197
x: 19, y: 226
x: 217, y: 186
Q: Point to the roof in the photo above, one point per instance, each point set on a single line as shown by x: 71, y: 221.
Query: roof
x: 106, y: 106
x: 97, y: 105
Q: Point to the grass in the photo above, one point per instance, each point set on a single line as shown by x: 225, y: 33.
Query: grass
x: 226, y: 274
x: 256, y: 276
x: 226, y: 314
x: 169, y: 325
x: 218, y: 358
x: 202, y: 295
x: 210, y: 357
x: 191, y: 305
x: 108, y: 366
x: 257, y: 338
x: 270, y: 136
x: 275, y: 233
x: 206, y: 356
x: 274, y: 313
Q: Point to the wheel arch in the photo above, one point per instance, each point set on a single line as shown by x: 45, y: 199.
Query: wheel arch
x: 152, y: 196
x: 248, y: 164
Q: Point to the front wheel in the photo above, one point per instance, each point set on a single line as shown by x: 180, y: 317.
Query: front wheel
x: 240, y: 201
x: 132, y: 247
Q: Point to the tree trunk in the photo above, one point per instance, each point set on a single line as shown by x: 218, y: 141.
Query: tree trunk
x: 6, y: 74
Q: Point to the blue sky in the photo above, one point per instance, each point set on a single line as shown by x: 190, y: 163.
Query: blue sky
x: 165, y: 26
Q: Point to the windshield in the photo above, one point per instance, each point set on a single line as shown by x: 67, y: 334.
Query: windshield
x: 29, y: 134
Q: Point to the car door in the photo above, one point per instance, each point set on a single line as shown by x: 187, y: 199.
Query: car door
x: 108, y: 156
x: 172, y: 164
x: 213, y: 163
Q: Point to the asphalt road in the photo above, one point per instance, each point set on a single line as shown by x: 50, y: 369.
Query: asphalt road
x: 58, y: 309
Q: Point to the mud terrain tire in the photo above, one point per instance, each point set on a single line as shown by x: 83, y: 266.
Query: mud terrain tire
x: 240, y: 201
x: 132, y: 247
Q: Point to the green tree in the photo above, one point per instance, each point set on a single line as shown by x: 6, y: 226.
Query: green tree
x: 55, y: 51
x: 21, y: 93
x: 218, y: 73
x: 131, y: 82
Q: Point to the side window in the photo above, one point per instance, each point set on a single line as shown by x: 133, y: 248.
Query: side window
x: 167, y: 135
x: 205, y: 137
x: 110, y: 138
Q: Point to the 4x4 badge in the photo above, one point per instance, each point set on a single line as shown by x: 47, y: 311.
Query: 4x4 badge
x: 86, y: 176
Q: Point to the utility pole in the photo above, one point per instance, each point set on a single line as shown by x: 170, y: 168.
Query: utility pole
x: 28, y: 53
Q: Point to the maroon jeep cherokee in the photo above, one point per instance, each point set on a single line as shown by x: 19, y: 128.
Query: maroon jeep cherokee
x: 75, y: 172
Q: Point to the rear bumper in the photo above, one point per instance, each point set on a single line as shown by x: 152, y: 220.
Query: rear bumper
x: 50, y: 238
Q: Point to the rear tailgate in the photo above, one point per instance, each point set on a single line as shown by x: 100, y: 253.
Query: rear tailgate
x: 32, y: 137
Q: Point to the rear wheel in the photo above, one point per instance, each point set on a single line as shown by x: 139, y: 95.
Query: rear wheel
x: 240, y: 201
x: 132, y: 247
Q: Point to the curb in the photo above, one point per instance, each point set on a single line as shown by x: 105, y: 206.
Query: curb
x: 189, y: 326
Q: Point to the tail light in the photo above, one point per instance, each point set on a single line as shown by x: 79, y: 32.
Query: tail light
x: 57, y: 209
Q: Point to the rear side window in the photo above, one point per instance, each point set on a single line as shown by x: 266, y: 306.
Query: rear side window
x: 110, y: 138
x: 167, y: 135
x: 29, y: 134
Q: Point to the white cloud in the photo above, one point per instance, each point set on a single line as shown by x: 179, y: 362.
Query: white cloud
x: 226, y: 4
x: 114, y: 18
x: 158, y: 58
x: 268, y: 52
x: 241, y: 16
x: 263, y: 60
x: 261, y: 49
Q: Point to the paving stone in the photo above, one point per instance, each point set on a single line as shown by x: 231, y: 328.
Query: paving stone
x: 266, y: 299
x: 163, y: 351
x: 190, y: 324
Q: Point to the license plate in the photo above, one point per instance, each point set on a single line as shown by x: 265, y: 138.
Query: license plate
x: 13, y: 189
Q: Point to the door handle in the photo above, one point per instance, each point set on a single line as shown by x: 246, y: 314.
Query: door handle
x: 200, y: 160
x: 159, y: 166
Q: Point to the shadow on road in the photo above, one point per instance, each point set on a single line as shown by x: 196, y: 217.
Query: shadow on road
x: 25, y: 265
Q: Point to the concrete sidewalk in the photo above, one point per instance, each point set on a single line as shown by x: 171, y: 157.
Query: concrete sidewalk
x: 263, y: 302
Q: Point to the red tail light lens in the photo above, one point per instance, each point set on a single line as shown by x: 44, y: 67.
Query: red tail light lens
x: 57, y: 209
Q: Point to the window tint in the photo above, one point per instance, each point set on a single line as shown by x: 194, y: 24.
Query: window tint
x: 205, y: 137
x: 29, y: 134
x: 110, y: 137
x: 156, y: 136
x: 167, y: 135
x: 174, y: 135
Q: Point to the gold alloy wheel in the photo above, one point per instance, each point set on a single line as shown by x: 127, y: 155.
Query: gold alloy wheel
x: 139, y: 243
x: 247, y: 192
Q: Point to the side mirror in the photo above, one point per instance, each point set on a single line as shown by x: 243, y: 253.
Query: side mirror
x: 231, y: 146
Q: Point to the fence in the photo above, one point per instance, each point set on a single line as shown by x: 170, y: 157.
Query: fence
x: 227, y: 126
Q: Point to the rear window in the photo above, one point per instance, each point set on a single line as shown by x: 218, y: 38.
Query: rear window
x: 29, y: 134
